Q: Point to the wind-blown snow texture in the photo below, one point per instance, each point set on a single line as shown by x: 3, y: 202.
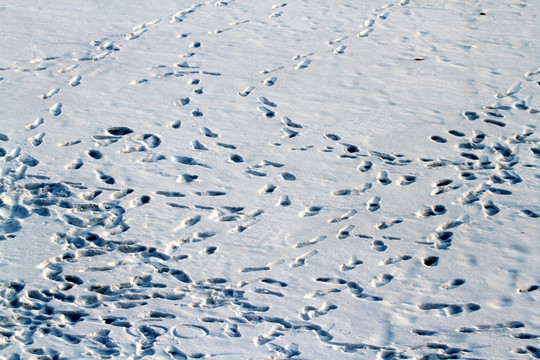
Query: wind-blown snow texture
x: 253, y: 179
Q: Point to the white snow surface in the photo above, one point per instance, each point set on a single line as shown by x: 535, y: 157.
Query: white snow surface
x: 262, y: 180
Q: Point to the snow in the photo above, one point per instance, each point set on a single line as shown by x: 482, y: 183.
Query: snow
x: 241, y: 179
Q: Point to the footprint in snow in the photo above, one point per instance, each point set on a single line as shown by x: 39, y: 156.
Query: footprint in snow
x: 246, y: 91
x: 366, y: 32
x: 56, y: 109
x: 107, y: 179
x: 270, y: 81
x: 50, y: 94
x: 310, y: 211
x: 303, y: 64
x: 265, y: 101
x: 35, y: 124
x: 37, y: 139
x: 340, y: 49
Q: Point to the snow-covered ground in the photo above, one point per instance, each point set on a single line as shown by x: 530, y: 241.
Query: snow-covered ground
x: 255, y: 179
